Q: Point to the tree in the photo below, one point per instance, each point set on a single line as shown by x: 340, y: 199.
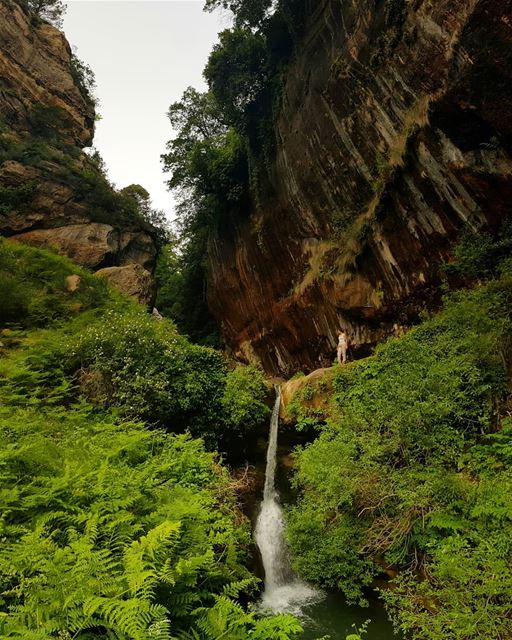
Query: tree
x: 197, y: 120
x: 51, y: 11
x: 237, y: 72
x: 84, y: 78
x: 155, y: 217
x: 249, y: 13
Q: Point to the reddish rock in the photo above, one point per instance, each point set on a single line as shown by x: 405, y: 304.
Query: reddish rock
x: 49, y: 168
x: 395, y: 134
x: 35, y: 70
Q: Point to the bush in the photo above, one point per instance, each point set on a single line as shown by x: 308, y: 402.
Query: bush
x: 33, y: 287
x: 243, y: 399
x: 480, y: 255
x: 401, y: 475
x: 113, y: 530
x: 12, y: 198
x: 154, y: 373
x: 110, y: 529
x: 143, y: 367
x: 84, y: 78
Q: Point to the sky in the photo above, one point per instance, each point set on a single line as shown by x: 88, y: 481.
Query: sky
x: 144, y: 53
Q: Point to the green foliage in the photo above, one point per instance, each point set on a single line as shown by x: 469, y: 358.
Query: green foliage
x: 12, y: 198
x: 153, y: 372
x: 169, y: 283
x: 249, y: 13
x: 219, y: 159
x: 84, y: 78
x: 243, y: 399
x: 48, y: 121
x: 237, y: 72
x: 48, y: 10
x: 307, y: 413
x: 359, y: 631
x: 33, y: 287
x: 120, y: 356
x: 110, y: 529
x: 412, y: 470
x: 56, y: 159
x: 481, y: 255
x: 206, y: 159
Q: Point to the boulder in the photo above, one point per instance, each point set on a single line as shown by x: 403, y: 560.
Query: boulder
x: 131, y: 279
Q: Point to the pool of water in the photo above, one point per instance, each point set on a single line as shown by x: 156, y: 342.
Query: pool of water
x: 332, y: 617
x: 328, y: 616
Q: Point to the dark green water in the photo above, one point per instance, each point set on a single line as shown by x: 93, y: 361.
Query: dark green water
x: 334, y: 618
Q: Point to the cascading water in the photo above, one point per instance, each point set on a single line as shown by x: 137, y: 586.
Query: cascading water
x: 283, y: 590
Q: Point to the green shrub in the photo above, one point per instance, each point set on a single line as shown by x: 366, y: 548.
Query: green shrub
x: 34, y: 290
x: 154, y: 373
x: 479, y: 255
x: 401, y: 475
x: 110, y: 529
x: 48, y: 121
x: 243, y: 399
x: 116, y: 354
x: 12, y: 198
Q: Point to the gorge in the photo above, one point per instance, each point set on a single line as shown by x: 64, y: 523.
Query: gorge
x: 348, y: 165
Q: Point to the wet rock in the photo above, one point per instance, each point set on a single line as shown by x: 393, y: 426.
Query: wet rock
x: 313, y: 391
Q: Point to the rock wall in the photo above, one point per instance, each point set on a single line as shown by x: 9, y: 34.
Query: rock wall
x: 46, y: 120
x: 395, y: 134
x: 35, y: 61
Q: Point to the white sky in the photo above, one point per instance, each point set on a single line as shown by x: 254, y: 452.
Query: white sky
x: 144, y: 53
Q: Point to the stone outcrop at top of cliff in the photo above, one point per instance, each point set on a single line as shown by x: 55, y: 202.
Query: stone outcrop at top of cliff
x: 395, y: 134
x: 51, y: 193
x: 35, y: 69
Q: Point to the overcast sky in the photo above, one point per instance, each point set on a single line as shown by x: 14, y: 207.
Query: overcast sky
x: 144, y: 53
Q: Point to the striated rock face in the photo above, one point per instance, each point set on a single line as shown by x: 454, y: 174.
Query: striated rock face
x: 51, y: 194
x: 35, y: 70
x: 394, y: 136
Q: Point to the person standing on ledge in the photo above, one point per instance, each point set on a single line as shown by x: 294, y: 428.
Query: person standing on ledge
x: 342, y: 347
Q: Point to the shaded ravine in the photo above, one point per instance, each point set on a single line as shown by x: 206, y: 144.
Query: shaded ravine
x: 320, y: 612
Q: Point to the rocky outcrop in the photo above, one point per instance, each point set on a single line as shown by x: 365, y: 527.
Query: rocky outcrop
x: 35, y: 70
x: 94, y: 245
x: 133, y: 280
x: 395, y: 134
x: 51, y: 193
x: 309, y: 394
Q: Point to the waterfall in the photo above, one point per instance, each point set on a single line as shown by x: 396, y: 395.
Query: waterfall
x: 283, y: 590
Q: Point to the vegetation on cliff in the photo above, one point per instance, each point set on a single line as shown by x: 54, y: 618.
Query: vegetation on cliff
x: 219, y: 158
x: 411, y: 470
x: 111, y: 528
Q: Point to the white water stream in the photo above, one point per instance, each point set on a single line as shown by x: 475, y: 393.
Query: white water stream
x: 283, y: 589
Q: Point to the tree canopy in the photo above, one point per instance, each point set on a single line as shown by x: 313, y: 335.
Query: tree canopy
x: 49, y: 10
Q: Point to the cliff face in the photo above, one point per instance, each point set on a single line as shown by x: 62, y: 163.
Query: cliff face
x: 51, y: 195
x: 35, y: 65
x: 395, y: 135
